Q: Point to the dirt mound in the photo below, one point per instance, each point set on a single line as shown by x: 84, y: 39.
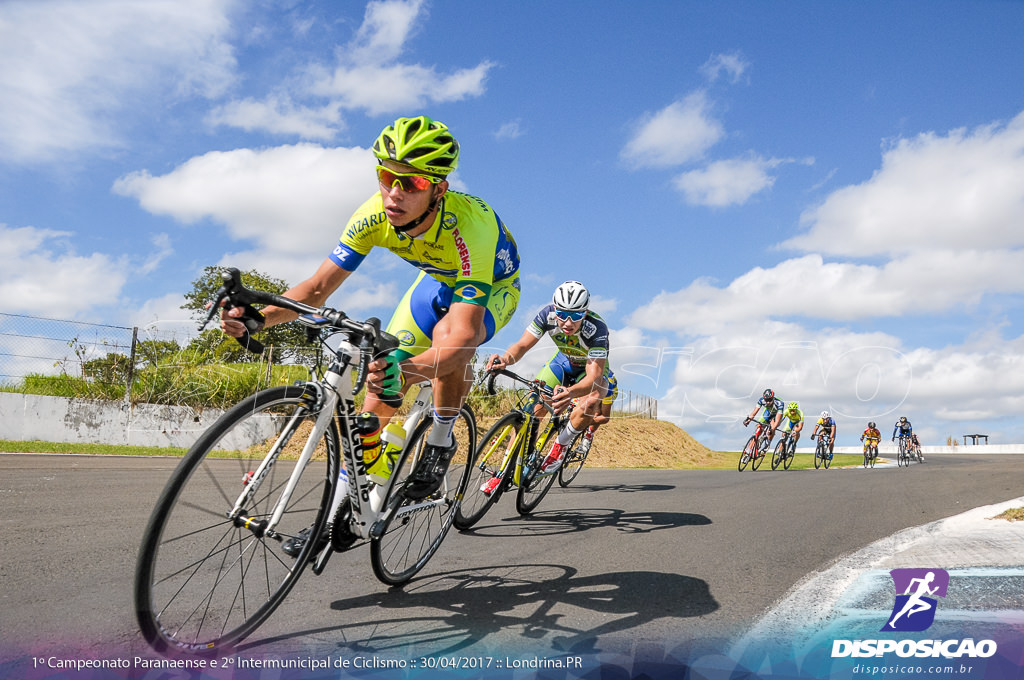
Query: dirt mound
x: 644, y: 443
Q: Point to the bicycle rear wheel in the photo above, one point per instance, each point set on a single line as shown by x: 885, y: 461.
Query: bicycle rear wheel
x: 760, y: 453
x: 494, y: 458
x: 534, y: 484
x: 749, y: 449
x: 573, y: 462
x: 412, y: 533
x: 204, y: 579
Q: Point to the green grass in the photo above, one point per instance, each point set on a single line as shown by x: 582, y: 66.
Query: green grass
x: 1013, y: 515
x: 9, y: 446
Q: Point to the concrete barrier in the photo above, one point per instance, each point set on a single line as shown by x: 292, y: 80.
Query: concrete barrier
x: 890, y: 449
x: 29, y: 417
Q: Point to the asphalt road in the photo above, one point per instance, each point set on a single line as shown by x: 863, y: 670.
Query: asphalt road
x: 619, y: 562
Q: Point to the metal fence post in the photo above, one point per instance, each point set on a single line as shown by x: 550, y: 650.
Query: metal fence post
x: 131, y: 367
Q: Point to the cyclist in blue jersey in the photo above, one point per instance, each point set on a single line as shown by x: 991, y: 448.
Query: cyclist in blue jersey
x: 468, y: 287
x: 579, y: 368
x: 768, y: 412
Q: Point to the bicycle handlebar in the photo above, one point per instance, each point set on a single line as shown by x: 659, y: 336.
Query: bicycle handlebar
x: 536, y: 386
x: 372, y: 342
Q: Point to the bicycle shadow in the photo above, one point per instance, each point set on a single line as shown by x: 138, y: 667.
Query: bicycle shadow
x: 576, y: 487
x: 531, y: 603
x: 572, y: 520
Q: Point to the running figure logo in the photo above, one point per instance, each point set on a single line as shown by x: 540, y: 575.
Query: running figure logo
x: 914, y: 610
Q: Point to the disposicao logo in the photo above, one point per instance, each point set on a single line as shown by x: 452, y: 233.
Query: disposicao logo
x: 914, y: 610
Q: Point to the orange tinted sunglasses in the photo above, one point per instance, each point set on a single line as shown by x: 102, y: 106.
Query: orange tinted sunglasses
x: 407, y: 181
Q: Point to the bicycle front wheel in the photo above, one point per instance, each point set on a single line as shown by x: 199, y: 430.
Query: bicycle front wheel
x: 534, y: 484
x: 819, y: 452
x: 790, y: 452
x: 826, y: 457
x: 874, y: 455
x: 413, y: 532
x: 573, y: 462
x: 779, y: 455
x: 749, y: 449
x: 495, y: 458
x: 206, y: 576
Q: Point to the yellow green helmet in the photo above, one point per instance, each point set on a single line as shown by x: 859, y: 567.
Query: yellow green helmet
x: 792, y: 406
x: 421, y: 142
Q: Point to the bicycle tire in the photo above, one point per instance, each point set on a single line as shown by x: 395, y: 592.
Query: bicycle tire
x: 874, y: 455
x: 410, y: 535
x: 534, y: 484
x: 826, y: 457
x: 748, y: 450
x: 779, y: 454
x: 762, y: 446
x: 901, y: 454
x: 573, y: 462
x: 200, y: 576
x: 493, y: 459
x: 818, y: 451
x: 790, y: 452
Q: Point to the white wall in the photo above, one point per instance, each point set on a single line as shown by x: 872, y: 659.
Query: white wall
x: 28, y: 417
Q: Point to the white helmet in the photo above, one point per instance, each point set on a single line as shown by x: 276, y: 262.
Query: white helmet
x: 825, y: 415
x: 571, y: 296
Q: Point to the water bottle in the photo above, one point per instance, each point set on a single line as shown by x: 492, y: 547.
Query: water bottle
x: 393, y: 438
x: 368, y: 428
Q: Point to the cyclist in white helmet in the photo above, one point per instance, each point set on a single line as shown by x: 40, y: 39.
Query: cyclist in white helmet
x: 827, y: 424
x: 578, y: 370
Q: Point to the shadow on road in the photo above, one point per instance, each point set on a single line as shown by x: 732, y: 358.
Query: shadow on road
x: 541, y: 605
x: 583, y: 519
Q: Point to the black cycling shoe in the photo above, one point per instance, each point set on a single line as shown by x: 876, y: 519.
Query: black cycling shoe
x: 294, y: 545
x: 429, y: 473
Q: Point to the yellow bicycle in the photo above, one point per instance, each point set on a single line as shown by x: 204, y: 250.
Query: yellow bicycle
x: 511, y: 454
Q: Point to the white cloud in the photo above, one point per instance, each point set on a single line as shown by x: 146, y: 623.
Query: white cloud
x: 729, y: 182
x: 510, y: 130
x: 68, y: 68
x: 961, y: 190
x: 279, y: 115
x: 733, y: 65
x: 43, y: 276
x: 679, y: 133
x: 288, y: 199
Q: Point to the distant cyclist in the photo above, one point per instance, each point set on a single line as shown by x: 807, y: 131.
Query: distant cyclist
x: 578, y: 370
x: 902, y: 428
x: 768, y: 412
x: 792, y: 421
x: 871, y: 436
x: 828, y: 428
x: 916, y: 444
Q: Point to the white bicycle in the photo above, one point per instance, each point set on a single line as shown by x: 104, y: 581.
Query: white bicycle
x: 257, y: 498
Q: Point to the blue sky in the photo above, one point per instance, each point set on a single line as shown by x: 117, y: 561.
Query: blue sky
x: 823, y: 197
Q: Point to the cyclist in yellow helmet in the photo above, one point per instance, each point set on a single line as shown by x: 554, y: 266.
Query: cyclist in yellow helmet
x: 792, y: 421
x: 467, y: 289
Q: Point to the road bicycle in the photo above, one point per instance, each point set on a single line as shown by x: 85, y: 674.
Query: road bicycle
x: 904, y: 453
x: 512, y: 451
x: 785, y: 449
x: 821, y: 453
x: 870, y: 452
x: 756, y: 447
x: 279, y: 483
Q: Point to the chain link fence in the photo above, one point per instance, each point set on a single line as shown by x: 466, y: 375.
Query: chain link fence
x: 157, y: 365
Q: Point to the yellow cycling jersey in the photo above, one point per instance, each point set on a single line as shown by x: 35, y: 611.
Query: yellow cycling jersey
x: 872, y: 434
x: 468, y: 248
x: 827, y: 426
